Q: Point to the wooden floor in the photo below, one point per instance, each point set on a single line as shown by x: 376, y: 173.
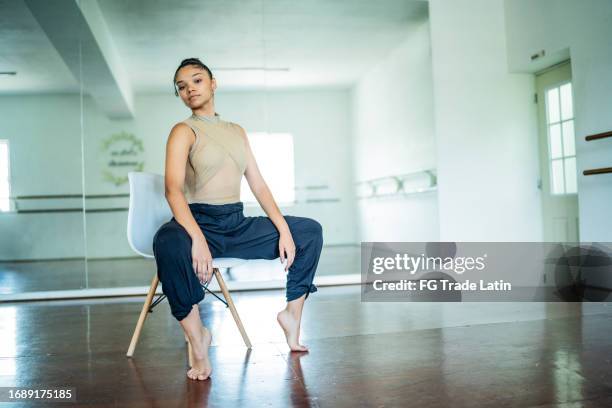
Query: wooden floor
x: 361, y: 354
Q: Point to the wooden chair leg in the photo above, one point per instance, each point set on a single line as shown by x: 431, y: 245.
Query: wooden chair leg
x: 230, y: 304
x: 143, y: 316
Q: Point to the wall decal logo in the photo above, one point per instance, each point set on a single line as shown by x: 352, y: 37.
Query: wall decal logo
x: 123, y: 153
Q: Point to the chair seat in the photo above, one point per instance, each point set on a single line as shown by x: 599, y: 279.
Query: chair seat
x: 227, y: 262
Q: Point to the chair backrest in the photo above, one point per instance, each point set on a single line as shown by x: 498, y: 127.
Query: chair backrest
x: 148, y: 210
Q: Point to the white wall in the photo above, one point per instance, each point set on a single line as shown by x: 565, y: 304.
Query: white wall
x: 485, y: 124
x: 393, y: 135
x: 44, y: 134
x: 585, y: 28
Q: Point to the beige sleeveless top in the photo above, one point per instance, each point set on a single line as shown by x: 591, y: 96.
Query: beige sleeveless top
x: 216, y: 163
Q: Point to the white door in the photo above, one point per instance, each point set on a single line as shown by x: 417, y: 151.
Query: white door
x: 557, y: 154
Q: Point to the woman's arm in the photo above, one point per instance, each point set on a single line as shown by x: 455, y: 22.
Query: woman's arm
x: 177, y: 152
x: 263, y: 195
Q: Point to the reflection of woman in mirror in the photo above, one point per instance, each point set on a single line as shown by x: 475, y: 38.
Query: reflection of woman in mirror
x: 206, y: 158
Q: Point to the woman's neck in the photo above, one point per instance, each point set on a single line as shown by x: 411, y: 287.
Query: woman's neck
x: 205, y: 110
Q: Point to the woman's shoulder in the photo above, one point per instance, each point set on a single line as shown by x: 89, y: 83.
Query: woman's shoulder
x: 189, y: 122
x: 235, y: 127
x: 188, y: 125
x: 183, y: 131
x: 181, y: 127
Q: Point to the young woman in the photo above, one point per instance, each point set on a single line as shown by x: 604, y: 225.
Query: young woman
x: 206, y: 158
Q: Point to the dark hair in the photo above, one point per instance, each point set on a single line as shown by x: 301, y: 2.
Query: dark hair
x: 190, y: 61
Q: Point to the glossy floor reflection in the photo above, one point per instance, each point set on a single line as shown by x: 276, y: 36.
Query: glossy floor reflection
x: 362, y: 354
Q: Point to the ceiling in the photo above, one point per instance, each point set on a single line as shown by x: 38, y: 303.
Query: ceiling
x: 309, y: 43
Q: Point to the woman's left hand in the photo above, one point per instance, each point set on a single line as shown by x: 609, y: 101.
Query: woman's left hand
x: 286, y: 248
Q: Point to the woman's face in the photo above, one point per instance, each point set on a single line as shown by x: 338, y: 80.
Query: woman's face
x: 194, y: 86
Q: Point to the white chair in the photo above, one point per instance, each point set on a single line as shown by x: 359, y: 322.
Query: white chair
x: 148, y: 211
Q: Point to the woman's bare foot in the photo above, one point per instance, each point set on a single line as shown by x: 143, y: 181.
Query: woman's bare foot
x: 201, y: 369
x: 291, y: 328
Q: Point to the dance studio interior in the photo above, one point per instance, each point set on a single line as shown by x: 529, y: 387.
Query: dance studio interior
x: 409, y: 129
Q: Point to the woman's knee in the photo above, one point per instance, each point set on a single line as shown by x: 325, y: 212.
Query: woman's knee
x: 309, y: 233
x: 317, y: 232
x: 170, y: 236
x: 312, y: 226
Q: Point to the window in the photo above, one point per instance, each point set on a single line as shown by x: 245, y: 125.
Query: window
x: 274, y: 155
x: 561, y: 140
x: 4, y: 176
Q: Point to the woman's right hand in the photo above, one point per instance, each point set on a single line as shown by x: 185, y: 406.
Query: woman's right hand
x: 202, y: 260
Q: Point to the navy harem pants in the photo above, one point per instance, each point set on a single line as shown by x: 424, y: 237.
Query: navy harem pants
x: 230, y: 234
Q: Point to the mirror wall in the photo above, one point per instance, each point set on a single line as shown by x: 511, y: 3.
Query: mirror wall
x: 42, y: 244
x: 92, y: 99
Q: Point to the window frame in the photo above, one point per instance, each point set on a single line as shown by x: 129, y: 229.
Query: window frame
x: 563, y: 157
